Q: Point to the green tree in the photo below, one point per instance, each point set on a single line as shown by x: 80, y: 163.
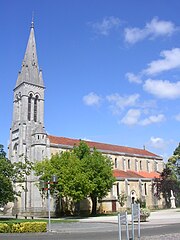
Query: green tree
x: 2, y: 152
x: 82, y: 150
x: 99, y: 173
x: 7, y: 193
x: 81, y: 174
x: 98, y: 169
x: 170, y: 179
x: 177, y: 151
x: 72, y: 181
x: 11, y: 173
x: 22, y: 170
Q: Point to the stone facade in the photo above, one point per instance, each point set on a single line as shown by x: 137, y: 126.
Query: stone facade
x: 134, y: 168
x: 28, y: 138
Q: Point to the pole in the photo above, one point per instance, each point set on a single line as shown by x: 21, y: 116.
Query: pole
x: 132, y: 215
x: 25, y: 200
x: 49, y: 210
x: 119, y: 226
x: 127, y: 230
x: 139, y: 233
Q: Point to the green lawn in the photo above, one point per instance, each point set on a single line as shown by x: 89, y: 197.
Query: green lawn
x: 13, y: 220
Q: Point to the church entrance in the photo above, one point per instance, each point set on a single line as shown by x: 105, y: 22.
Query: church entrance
x: 133, y: 196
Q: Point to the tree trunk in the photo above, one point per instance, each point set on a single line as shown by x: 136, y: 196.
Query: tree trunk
x: 94, y: 205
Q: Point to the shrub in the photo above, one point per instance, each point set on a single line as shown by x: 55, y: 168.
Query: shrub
x: 145, y: 212
x: 122, y: 199
x: 35, y: 226
x: 17, y: 228
x: 23, y: 227
x: 4, y: 228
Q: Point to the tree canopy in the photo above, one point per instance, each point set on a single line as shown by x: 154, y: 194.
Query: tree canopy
x: 99, y: 173
x: 177, y: 151
x: 9, y: 174
x: 7, y: 193
x: 169, y: 179
x: 81, y: 172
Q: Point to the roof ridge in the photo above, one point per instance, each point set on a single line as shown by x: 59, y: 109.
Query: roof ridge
x: 103, y: 146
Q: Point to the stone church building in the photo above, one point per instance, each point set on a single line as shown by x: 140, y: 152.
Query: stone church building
x: 134, y: 168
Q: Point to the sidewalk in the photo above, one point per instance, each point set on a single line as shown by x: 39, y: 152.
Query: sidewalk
x: 167, y: 216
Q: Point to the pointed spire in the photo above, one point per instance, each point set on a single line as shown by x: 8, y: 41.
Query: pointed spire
x: 32, y: 22
x: 30, y: 70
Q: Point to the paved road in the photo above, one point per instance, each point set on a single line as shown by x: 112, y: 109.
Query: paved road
x: 97, y: 231
x: 162, y: 225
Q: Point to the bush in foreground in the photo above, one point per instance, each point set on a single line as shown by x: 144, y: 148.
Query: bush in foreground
x: 23, y: 227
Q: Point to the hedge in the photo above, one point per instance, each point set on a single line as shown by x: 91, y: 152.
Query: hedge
x: 4, y: 228
x: 23, y: 227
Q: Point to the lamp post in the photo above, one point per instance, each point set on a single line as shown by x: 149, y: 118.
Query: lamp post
x: 42, y: 186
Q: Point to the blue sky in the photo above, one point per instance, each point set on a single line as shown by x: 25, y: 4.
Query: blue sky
x: 111, y: 68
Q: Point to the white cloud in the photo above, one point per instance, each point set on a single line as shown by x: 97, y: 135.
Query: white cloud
x: 92, y: 99
x: 133, y: 35
x: 158, y: 143
x: 153, y: 29
x: 162, y: 88
x: 160, y: 28
x: 177, y: 117
x: 171, y: 61
x: 133, y: 78
x: 106, y: 25
x: 152, y: 119
x: 148, y: 105
x: 132, y: 117
x: 120, y: 102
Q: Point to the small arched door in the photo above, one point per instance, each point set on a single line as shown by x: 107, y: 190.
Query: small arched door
x: 133, y: 196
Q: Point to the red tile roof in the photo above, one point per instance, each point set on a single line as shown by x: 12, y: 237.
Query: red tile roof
x: 123, y: 174
x: 150, y: 174
x: 133, y: 174
x: 103, y: 147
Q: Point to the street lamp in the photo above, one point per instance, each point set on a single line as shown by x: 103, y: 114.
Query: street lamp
x: 54, y: 180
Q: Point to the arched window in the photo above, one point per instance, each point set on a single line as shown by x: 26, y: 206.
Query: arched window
x: 29, y: 107
x: 148, y: 166
x: 115, y: 162
x: 118, y: 192
x: 35, y: 108
x: 145, y: 189
x: 15, y: 152
x: 136, y: 165
x: 140, y: 163
x: 129, y: 164
x: 15, y: 148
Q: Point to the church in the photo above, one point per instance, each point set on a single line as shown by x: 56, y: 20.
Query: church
x: 134, y: 169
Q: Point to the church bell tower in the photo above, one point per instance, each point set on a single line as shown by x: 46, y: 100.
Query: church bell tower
x: 28, y: 138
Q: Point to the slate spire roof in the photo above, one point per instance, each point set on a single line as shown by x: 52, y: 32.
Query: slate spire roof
x: 30, y: 70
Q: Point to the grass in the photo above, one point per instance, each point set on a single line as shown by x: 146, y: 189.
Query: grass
x: 13, y: 220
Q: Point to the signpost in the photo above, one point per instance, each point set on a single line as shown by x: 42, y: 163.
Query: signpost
x: 48, y: 188
x: 122, y: 220
x: 135, y: 208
